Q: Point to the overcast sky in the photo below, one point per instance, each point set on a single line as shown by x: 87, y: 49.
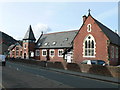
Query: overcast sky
x: 15, y: 17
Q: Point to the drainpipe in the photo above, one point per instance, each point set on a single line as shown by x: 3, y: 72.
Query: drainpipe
x: 108, y: 49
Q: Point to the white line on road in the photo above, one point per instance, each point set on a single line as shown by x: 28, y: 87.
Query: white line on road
x: 1, y: 86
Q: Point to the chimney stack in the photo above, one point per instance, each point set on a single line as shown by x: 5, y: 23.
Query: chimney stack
x: 84, y: 18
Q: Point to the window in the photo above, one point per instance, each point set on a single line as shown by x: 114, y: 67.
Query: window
x: 60, y: 52
x: 116, y: 52
x: 17, y: 48
x: 54, y: 43
x: 84, y: 62
x: 93, y: 62
x: 101, y: 62
x: 24, y: 46
x: 46, y: 44
x: 39, y: 44
x: 20, y: 53
x: 52, y: 53
x: 112, y: 52
x: 89, y: 46
x: 89, y: 28
x: 13, y: 53
x: 44, y: 52
x: 37, y: 53
x: 17, y: 53
x: 66, y: 39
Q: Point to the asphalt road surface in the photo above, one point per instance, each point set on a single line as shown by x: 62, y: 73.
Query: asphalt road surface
x: 19, y: 75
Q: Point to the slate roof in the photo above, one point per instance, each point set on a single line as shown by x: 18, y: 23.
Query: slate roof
x: 14, y: 45
x: 3, y: 48
x: 11, y: 47
x: 29, y: 34
x: 57, y: 40
x: 113, y: 37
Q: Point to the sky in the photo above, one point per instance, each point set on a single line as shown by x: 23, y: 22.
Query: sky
x: 15, y: 17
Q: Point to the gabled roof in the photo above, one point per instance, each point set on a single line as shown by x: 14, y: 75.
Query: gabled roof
x: 113, y: 37
x: 11, y: 47
x: 57, y: 40
x: 14, y: 45
x: 29, y: 34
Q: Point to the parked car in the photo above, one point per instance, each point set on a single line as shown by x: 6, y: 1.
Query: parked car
x: 118, y: 65
x: 96, y: 62
x: 2, y: 60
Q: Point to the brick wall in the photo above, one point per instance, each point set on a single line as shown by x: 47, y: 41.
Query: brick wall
x: 53, y: 59
x: 112, y: 71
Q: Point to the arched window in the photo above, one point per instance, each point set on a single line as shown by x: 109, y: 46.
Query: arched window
x: 89, y: 46
x: 89, y: 28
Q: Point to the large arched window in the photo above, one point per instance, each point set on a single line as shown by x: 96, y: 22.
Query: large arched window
x: 89, y: 46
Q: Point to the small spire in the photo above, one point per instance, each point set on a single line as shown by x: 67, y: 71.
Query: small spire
x: 30, y: 27
x: 29, y: 34
x: 89, y: 12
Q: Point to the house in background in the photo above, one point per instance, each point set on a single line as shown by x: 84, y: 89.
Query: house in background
x: 15, y: 50
x: 93, y: 41
x: 26, y: 48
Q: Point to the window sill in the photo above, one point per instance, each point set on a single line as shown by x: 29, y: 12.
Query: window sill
x: 89, y: 56
x: 60, y: 56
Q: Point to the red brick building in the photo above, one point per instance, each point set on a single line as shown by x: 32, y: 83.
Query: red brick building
x: 16, y: 50
x: 52, y: 46
x: 93, y: 41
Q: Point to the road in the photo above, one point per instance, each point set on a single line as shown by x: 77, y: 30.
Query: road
x: 19, y: 75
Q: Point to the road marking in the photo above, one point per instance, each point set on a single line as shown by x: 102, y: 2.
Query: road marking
x: 17, y: 69
x: 2, y: 87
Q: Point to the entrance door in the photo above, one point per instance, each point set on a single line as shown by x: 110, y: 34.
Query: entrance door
x: 24, y: 55
x: 47, y: 57
x: 69, y: 60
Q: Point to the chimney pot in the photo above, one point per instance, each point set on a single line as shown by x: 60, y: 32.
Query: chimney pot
x: 84, y: 18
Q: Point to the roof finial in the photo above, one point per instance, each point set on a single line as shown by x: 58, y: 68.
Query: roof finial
x: 89, y: 12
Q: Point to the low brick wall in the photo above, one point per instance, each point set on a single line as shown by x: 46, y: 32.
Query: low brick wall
x: 50, y: 64
x: 96, y: 69
x: 112, y: 71
x: 58, y: 65
x: 115, y: 71
x: 73, y: 67
x: 27, y: 61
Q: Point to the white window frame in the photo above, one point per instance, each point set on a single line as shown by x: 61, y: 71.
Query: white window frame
x: 89, y: 28
x: 54, y: 43
x: 43, y: 51
x: 84, y: 49
x: 59, y: 55
x: 112, y: 52
x: 46, y: 43
x: 53, y: 51
x: 116, y: 52
x: 31, y: 54
x: 37, y: 52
